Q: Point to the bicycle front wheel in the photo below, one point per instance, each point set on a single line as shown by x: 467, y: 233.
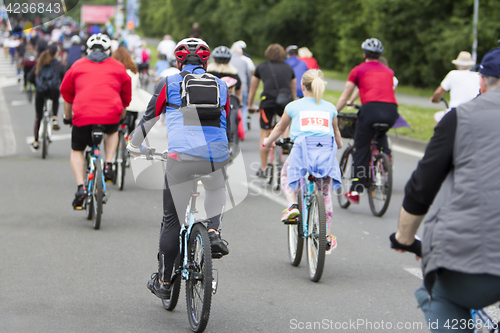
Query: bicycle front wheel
x: 316, y: 237
x: 295, y: 240
x: 170, y: 304
x: 277, y: 166
x: 346, y: 171
x: 97, y: 195
x: 380, y: 189
x: 121, y: 161
x: 199, y: 282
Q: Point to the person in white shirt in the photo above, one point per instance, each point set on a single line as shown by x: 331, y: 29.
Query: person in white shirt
x: 167, y: 47
x: 462, y: 83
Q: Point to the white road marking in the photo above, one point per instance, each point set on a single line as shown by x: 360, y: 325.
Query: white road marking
x: 408, y: 151
x: 265, y: 192
x: 19, y: 103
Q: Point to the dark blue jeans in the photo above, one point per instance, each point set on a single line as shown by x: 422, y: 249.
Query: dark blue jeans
x: 453, y: 296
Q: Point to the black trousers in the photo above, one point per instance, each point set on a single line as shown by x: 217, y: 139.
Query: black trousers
x: 176, y: 196
x: 369, y: 114
x: 39, y: 103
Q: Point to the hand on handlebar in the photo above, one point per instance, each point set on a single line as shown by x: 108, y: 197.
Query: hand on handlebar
x: 415, y: 248
x: 142, y: 149
x: 252, y: 108
x: 68, y: 121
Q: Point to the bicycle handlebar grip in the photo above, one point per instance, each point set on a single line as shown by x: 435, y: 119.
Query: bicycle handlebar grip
x: 67, y: 121
x: 415, y: 248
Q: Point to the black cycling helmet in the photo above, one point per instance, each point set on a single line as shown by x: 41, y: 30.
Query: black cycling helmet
x: 372, y: 45
x: 221, y: 54
x: 192, y: 51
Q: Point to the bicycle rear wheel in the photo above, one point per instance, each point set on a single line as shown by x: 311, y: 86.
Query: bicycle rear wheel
x: 380, y: 189
x: 89, y: 201
x: 199, y: 282
x: 316, y: 238
x: 346, y: 171
x: 170, y: 304
x: 97, y: 195
x: 295, y: 240
x: 120, y: 161
x: 45, y: 136
x: 29, y: 92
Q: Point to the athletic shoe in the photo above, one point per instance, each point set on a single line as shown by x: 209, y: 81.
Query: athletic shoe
x: 109, y: 174
x: 261, y: 173
x: 331, y: 243
x: 217, y: 244
x: 80, y: 197
x: 161, y: 290
x: 353, y: 197
x: 290, y: 213
x: 55, y: 124
x: 34, y: 147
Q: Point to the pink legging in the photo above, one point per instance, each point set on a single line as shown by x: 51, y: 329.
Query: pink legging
x: 327, y: 198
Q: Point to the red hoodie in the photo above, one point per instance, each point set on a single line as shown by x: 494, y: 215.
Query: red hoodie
x: 99, y: 91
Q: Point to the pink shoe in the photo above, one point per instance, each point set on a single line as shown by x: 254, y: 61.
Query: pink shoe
x: 331, y: 243
x: 353, y: 197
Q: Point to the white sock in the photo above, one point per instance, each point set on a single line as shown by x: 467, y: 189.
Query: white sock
x: 291, y: 204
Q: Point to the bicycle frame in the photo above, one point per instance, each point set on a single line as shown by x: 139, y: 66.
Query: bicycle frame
x: 95, y: 157
x: 308, y: 189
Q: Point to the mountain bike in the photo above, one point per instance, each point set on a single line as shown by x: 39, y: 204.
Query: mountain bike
x: 309, y: 225
x: 379, y: 178
x: 120, y: 160
x: 94, y: 179
x: 194, y: 261
x: 45, y: 131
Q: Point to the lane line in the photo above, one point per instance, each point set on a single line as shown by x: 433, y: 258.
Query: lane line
x: 407, y: 151
x: 53, y: 137
x: 7, y: 137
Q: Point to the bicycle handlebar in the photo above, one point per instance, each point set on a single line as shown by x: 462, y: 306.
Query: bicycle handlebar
x: 284, y: 141
x: 445, y: 102
x: 415, y: 248
x: 150, y: 154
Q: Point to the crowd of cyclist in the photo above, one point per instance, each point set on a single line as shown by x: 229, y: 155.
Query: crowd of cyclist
x: 304, y: 113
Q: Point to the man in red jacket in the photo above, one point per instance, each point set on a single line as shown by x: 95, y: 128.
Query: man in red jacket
x: 96, y: 91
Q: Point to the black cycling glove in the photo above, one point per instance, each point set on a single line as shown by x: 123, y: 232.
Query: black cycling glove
x: 415, y: 248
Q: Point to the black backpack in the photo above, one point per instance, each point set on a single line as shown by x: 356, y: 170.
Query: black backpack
x: 47, y: 79
x: 200, y: 100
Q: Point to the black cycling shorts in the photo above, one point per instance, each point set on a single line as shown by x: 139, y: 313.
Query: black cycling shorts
x: 81, y: 137
x: 266, y: 116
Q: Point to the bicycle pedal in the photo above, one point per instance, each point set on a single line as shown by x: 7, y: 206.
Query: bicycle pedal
x: 217, y: 255
x: 291, y: 221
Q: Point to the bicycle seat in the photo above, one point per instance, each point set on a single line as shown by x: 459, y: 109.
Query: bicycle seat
x: 381, y: 127
x: 97, y: 134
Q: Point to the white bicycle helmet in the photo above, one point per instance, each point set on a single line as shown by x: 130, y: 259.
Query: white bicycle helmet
x: 372, y: 45
x: 192, y: 51
x: 100, y: 41
x: 76, y: 39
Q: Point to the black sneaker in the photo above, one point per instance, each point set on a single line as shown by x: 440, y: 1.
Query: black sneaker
x: 261, y: 174
x: 109, y: 174
x: 217, y: 244
x: 161, y: 290
x: 80, y: 197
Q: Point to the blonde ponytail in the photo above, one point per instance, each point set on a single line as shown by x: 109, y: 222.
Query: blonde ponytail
x: 313, y: 81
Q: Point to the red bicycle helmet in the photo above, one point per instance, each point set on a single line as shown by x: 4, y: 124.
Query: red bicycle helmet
x: 192, y: 51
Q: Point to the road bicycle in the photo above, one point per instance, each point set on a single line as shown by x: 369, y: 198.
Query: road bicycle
x: 95, y: 183
x: 194, y: 261
x: 309, y: 225
x: 120, y: 160
x: 45, y: 131
x: 379, y: 173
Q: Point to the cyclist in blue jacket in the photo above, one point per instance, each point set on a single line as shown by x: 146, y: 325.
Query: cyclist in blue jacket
x: 197, y: 145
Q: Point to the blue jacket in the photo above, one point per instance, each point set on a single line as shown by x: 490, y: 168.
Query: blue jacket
x: 299, y: 68
x: 315, y: 155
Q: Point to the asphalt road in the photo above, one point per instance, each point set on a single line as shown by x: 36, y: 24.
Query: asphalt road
x: 58, y: 274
